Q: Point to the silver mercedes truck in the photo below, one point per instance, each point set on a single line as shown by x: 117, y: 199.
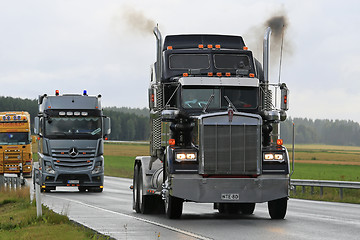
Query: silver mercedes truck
x: 71, y: 130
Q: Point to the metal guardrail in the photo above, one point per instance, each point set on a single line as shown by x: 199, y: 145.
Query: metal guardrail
x: 11, y: 181
x: 322, y: 183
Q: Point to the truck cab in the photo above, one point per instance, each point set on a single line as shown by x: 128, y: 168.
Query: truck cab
x: 71, y: 129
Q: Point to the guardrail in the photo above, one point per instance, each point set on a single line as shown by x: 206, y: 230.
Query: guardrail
x: 322, y: 183
x: 11, y: 181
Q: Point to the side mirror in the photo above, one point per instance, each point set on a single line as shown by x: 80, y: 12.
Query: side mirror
x: 107, y: 126
x: 284, y: 97
x: 36, y: 125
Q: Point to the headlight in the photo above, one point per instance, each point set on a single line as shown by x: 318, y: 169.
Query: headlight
x: 273, y: 157
x: 48, y: 168
x: 186, y: 157
x: 97, y: 168
x: 6, y: 157
x: 269, y: 156
x: 19, y: 157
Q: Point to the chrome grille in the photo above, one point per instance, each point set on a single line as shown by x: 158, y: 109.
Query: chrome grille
x: 231, y: 148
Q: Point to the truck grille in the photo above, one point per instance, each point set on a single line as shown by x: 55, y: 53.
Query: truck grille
x: 83, y: 160
x: 231, y: 148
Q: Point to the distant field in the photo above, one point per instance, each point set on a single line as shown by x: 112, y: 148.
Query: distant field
x: 327, y: 154
x: 119, y: 158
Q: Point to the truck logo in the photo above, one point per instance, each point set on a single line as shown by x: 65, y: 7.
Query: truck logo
x: 73, y: 152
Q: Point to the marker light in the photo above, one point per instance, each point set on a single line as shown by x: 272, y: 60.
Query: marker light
x: 209, y: 46
x: 171, y: 142
x: 210, y: 74
x: 169, y: 47
x: 279, y: 142
x: 245, y: 48
x: 217, y: 46
x: 185, y: 74
x: 85, y: 93
x: 251, y: 75
x: 57, y: 92
x: 201, y: 46
x: 228, y: 74
x: 219, y: 74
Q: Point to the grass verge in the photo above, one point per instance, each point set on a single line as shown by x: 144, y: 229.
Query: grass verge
x: 18, y: 220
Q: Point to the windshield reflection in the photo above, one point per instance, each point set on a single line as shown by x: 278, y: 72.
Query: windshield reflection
x: 198, y: 98
x: 14, y: 138
x: 73, y: 127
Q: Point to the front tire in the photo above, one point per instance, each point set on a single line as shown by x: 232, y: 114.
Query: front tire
x: 173, y: 207
x: 277, y: 208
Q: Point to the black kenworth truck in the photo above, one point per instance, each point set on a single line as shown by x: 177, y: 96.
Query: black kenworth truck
x: 214, y: 129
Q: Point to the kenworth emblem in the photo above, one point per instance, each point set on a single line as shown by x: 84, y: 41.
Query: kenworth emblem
x: 230, y: 114
x: 73, y: 152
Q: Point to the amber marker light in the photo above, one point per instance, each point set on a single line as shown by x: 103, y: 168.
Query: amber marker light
x: 219, y: 74
x: 169, y: 47
x: 171, y: 142
x: 209, y: 46
x: 217, y: 46
x: 228, y: 74
x: 279, y: 142
x: 251, y: 75
x: 185, y: 74
x: 210, y: 74
x: 201, y: 46
x: 245, y: 48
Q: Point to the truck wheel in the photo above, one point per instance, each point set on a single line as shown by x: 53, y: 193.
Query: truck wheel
x: 145, y: 201
x: 247, y: 208
x: 277, y: 208
x: 136, y: 190
x: 173, y: 207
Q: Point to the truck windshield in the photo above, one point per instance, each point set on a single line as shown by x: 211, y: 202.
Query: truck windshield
x: 231, y: 61
x: 14, y: 138
x: 197, y: 98
x: 189, y: 61
x: 73, y: 127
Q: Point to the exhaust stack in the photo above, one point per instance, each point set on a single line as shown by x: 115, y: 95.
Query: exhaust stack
x: 158, y: 53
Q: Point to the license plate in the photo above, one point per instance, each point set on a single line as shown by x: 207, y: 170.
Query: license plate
x: 13, y: 168
x: 230, y: 196
x: 73, y: 181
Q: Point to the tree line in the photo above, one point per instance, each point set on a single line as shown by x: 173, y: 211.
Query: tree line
x: 321, y: 131
x: 133, y: 124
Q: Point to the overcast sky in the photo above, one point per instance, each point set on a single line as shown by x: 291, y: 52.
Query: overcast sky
x: 107, y: 47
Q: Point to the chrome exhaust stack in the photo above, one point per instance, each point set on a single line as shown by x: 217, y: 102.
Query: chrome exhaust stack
x: 159, y: 40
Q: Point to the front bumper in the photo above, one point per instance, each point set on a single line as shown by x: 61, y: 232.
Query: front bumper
x: 72, y: 177
x: 209, y: 190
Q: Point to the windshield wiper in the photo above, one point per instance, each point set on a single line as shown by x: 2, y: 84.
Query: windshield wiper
x: 230, y: 103
x: 208, y: 103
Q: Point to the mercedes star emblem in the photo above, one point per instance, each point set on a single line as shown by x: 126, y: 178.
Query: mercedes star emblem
x: 73, y: 152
